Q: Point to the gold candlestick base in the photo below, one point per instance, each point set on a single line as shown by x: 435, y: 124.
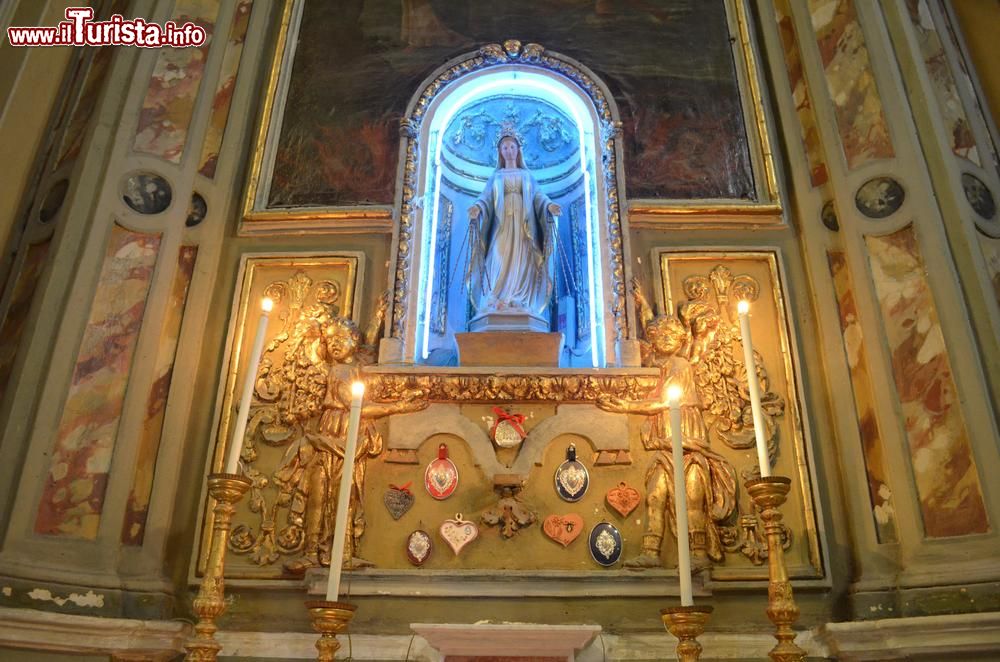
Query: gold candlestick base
x: 686, y: 623
x: 227, y: 490
x: 329, y: 619
x: 768, y: 494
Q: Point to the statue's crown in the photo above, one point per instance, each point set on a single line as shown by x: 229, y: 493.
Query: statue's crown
x: 509, y: 130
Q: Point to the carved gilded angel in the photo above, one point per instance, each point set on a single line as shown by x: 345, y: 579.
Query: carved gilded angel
x: 310, y: 473
x: 710, y: 480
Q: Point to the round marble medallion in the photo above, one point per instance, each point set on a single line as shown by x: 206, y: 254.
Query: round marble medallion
x: 979, y: 196
x: 53, y: 201
x: 879, y: 197
x: 828, y: 215
x: 197, y: 210
x: 146, y: 193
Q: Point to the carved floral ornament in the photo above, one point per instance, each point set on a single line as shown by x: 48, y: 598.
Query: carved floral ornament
x: 491, y: 55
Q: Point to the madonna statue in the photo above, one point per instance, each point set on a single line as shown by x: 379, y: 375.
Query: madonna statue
x: 513, y: 237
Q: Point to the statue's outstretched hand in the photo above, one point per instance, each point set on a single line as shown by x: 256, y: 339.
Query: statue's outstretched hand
x: 612, y: 403
x: 474, y: 212
x: 555, y: 209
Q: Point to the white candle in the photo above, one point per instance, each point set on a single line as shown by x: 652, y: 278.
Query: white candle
x: 674, y: 394
x: 743, y: 308
x: 240, y: 429
x: 344, y: 496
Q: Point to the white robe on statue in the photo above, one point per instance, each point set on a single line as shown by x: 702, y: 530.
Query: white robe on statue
x: 511, y: 268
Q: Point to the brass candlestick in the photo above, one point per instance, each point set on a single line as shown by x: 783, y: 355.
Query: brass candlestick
x: 329, y: 619
x: 768, y: 494
x: 227, y: 490
x: 686, y: 623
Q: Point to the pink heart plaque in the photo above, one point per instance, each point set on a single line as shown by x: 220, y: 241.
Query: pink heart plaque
x: 458, y: 533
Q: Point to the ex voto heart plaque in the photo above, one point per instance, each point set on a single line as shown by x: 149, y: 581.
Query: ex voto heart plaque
x: 564, y: 529
x: 458, y: 533
x: 623, y: 498
x: 398, y: 500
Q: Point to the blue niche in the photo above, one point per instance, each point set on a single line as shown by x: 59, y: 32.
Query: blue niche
x: 549, y: 135
x: 558, y: 146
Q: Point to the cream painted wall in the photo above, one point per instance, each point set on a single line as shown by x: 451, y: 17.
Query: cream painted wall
x: 980, y: 20
x: 30, y: 79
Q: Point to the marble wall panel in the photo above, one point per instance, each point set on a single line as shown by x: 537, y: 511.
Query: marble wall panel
x: 137, y: 508
x: 800, y: 93
x: 975, y: 109
x: 224, y: 90
x: 73, y: 495
x: 173, y: 88
x: 944, y: 467
x: 850, y: 82
x: 12, y: 327
x: 960, y: 137
x: 992, y: 251
x: 883, y: 512
x: 72, y: 138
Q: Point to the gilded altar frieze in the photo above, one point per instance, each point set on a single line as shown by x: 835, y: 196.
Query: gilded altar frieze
x: 73, y: 496
x: 944, y: 467
x: 883, y: 512
x: 514, y: 387
x: 173, y: 87
x: 850, y: 82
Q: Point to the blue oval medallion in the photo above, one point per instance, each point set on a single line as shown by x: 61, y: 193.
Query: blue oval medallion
x: 605, y: 544
x: 572, y: 478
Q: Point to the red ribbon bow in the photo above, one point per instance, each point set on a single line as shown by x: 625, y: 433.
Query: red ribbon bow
x: 515, y: 420
x: 404, y: 488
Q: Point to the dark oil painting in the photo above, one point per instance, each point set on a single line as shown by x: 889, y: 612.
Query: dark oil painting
x: 667, y: 63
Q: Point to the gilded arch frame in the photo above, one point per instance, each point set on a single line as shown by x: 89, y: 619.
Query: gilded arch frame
x: 511, y: 52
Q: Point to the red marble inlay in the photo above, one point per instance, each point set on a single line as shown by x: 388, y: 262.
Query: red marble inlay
x: 73, y: 496
x: 224, y: 90
x: 173, y: 88
x: 850, y: 82
x: 944, y: 468
x: 137, y: 508
x: 800, y: 93
x: 871, y: 437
